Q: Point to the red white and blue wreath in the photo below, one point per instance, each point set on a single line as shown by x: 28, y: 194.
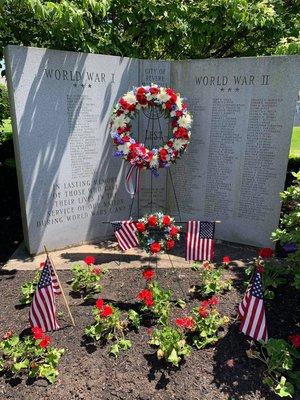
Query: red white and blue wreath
x: 157, y: 233
x: 136, y: 153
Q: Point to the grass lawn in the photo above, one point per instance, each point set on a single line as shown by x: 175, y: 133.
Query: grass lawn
x: 295, y: 143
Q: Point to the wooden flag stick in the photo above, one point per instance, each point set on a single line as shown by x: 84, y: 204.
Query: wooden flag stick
x: 64, y: 296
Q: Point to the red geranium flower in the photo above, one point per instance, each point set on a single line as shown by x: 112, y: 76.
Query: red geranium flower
x: 37, y: 332
x: 213, y: 301
x: 155, y: 247
x: 170, y: 244
x: 226, y: 260
x: 180, y: 322
x: 173, y: 231
x: 152, y: 220
x: 106, y: 311
x: 295, y: 339
x: 144, y: 294
x: 89, y: 260
x: 189, y: 323
x: 45, y: 341
x: 203, y: 312
x: 99, y: 304
x: 266, y: 252
x: 149, y: 301
x: 97, y: 271
x: 166, y: 220
x: 140, y: 226
x: 205, y: 303
x: 148, y: 274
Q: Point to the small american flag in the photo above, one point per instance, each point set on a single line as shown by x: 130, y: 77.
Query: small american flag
x: 125, y: 234
x: 200, y: 244
x: 42, y: 312
x: 252, y: 311
x: 55, y: 284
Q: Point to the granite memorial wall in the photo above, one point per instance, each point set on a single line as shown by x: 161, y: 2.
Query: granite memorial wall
x: 70, y: 183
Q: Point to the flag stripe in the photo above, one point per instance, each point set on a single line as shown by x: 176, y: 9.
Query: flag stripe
x: 125, y: 233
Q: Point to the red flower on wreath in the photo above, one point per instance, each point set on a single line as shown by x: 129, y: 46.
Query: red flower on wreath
x: 295, y: 339
x: 140, y: 96
x: 166, y: 220
x: 266, y: 252
x: 45, y: 341
x: 181, y: 133
x: 154, y: 90
x: 140, y: 226
x: 37, y: 332
x: 163, y: 154
x: 106, y: 311
x: 126, y: 105
x: 148, y: 274
x: 155, y: 247
x: 170, y: 244
x: 173, y: 231
x: 89, y: 260
x: 152, y: 220
x: 226, y: 260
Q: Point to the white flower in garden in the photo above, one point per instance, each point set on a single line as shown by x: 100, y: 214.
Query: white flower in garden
x: 120, y: 120
x: 124, y: 147
x: 163, y: 96
x: 185, y: 121
x: 130, y: 98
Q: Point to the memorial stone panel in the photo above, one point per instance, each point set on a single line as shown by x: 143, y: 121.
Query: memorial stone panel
x: 235, y: 167
x: 68, y: 179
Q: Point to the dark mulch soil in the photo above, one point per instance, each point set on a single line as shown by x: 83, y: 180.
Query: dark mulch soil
x: 88, y: 372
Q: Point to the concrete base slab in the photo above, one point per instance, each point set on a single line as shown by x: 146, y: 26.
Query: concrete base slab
x: 107, y: 254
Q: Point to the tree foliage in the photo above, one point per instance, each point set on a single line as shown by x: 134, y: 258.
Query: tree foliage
x: 169, y: 29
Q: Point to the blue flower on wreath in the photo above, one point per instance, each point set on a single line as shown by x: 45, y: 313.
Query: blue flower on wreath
x: 118, y: 153
x: 150, y: 241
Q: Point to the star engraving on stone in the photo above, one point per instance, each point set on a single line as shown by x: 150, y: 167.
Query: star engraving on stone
x: 82, y: 85
x: 75, y: 84
x: 222, y: 89
x: 90, y: 85
x: 229, y: 89
x: 237, y: 89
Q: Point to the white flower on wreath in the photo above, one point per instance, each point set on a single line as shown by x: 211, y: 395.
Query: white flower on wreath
x: 179, y: 102
x: 124, y: 147
x: 185, y: 121
x: 178, y: 144
x: 154, y: 162
x: 130, y: 98
x: 163, y: 96
x: 119, y: 121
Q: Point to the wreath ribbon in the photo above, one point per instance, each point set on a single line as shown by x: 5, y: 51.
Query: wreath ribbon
x: 132, y: 185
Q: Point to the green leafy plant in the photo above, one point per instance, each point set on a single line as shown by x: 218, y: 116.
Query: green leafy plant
x: 207, y: 322
x: 28, y: 289
x: 278, y: 357
x: 289, y: 230
x: 109, y: 327
x: 156, y: 301
x: 273, y: 275
x: 171, y: 344
x: 86, y: 278
x: 212, y: 279
x: 31, y: 356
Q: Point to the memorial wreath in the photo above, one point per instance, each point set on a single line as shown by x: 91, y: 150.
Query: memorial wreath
x: 137, y: 153
x: 157, y: 233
